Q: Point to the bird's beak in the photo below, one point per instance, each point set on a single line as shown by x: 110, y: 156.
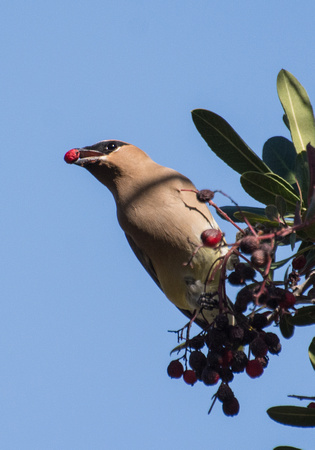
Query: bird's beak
x: 88, y: 157
x: 83, y: 156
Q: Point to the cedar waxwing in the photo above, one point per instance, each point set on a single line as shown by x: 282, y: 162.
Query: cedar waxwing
x: 162, y: 221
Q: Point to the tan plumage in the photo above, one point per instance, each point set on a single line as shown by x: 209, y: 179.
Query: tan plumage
x: 162, y: 222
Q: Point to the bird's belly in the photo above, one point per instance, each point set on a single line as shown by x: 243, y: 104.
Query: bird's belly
x: 183, y: 282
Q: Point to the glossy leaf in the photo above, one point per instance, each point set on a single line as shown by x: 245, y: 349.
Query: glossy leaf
x: 226, y: 143
x: 231, y: 210
x: 311, y: 353
x: 310, y: 152
x: 278, y: 264
x: 292, y: 241
x: 255, y: 218
x: 297, y: 416
x: 303, y: 316
x: 264, y: 188
x: 286, y: 327
x: 279, y: 154
x: 298, y: 109
x: 272, y: 212
x: 310, y: 213
x: 286, y: 121
x: 302, y: 174
x: 281, y: 205
x: 310, y: 260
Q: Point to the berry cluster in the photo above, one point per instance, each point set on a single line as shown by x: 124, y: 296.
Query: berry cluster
x: 236, y: 341
x: 225, y: 356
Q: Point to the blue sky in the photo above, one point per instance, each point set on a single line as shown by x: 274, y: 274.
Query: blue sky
x: 83, y: 330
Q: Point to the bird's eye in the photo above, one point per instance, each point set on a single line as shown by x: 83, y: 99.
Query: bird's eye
x: 111, y: 146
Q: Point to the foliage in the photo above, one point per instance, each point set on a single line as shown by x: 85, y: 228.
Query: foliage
x: 284, y: 182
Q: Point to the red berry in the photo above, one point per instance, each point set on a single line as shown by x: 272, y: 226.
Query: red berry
x: 227, y: 357
x: 71, y: 156
x: 211, y: 237
x: 254, y: 368
x: 190, y: 377
x: 209, y: 376
x: 175, y: 369
x: 299, y: 262
x: 311, y: 405
x: 288, y: 301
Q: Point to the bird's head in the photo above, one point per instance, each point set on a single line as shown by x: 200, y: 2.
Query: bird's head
x: 97, y: 154
x: 109, y: 160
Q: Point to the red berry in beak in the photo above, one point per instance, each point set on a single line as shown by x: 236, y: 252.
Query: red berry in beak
x: 71, y: 156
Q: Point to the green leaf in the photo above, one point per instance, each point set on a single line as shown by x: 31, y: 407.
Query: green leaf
x: 226, y: 143
x: 310, y: 260
x: 302, y: 174
x: 303, y: 316
x: 286, y: 327
x: 255, y: 218
x: 310, y: 152
x: 277, y: 264
x: 286, y: 121
x: 280, y: 155
x: 296, y: 416
x: 292, y: 241
x: 311, y: 353
x: 310, y: 213
x: 272, y: 212
x: 281, y: 205
x: 264, y: 187
x: 232, y: 210
x: 299, y: 111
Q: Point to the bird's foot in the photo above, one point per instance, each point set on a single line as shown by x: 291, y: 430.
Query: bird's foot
x: 208, y: 301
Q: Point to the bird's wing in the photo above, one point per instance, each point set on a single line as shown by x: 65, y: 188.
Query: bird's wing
x: 147, y: 264
x: 144, y: 259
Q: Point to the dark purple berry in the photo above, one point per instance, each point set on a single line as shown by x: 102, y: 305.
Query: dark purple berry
x: 231, y: 407
x: 235, y: 279
x: 175, y: 369
x: 221, y: 321
x: 236, y: 333
x: 224, y: 392
x: 197, y: 360
x: 196, y: 342
x: 273, y: 343
x: 258, y: 347
x: 209, y: 376
x: 243, y: 298
x: 190, y: 377
x: 226, y: 374
x: 239, y: 361
x: 259, y: 321
x: 299, y: 262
